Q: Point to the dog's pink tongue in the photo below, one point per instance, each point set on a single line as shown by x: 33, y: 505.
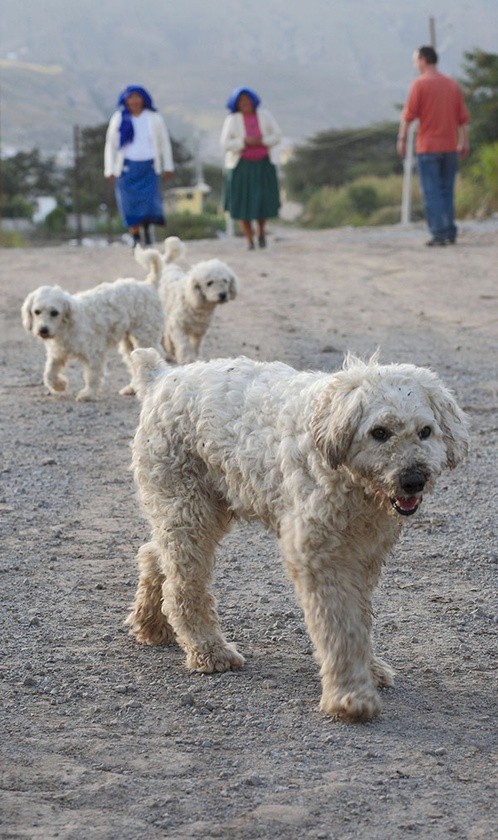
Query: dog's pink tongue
x: 407, y: 502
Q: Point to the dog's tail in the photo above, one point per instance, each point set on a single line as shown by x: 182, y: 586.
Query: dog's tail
x: 174, y: 249
x: 146, y: 365
x: 152, y: 261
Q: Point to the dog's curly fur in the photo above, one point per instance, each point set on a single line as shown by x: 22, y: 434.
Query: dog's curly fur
x: 329, y: 462
x: 189, y: 297
x: 84, y: 326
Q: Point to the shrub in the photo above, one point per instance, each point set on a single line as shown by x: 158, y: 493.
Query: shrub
x: 369, y: 200
x: 485, y: 172
x: 56, y: 221
x: 364, y: 198
x: 388, y: 215
x: 11, y: 239
x: 190, y: 226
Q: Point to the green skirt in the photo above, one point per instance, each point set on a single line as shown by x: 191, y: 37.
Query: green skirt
x: 250, y: 191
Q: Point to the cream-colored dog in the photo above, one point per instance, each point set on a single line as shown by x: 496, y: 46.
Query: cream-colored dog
x: 84, y: 326
x: 189, y: 297
x: 331, y: 463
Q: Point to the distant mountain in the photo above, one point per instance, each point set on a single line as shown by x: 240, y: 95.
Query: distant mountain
x: 317, y: 64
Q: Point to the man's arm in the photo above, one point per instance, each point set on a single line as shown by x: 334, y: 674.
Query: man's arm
x: 402, y: 135
x: 463, y: 140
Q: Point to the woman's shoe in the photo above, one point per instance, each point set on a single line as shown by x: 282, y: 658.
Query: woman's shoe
x: 250, y: 246
x: 262, y: 241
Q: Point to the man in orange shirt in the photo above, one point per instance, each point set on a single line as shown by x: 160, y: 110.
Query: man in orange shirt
x: 437, y: 102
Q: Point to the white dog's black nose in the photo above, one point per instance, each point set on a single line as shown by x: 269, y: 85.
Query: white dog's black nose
x: 223, y: 296
x: 412, y: 481
x: 43, y: 331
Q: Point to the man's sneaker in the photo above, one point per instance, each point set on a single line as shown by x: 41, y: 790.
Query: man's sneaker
x: 435, y: 243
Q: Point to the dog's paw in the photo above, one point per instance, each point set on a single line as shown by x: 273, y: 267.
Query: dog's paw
x: 150, y: 632
x: 57, y: 386
x: 382, y: 673
x: 128, y: 391
x: 352, y: 707
x: 215, y: 660
x: 86, y: 395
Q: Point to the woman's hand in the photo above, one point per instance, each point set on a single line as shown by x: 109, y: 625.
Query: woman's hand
x: 253, y: 141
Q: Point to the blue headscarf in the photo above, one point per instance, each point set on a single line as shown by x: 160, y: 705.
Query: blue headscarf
x: 234, y: 96
x: 126, y: 132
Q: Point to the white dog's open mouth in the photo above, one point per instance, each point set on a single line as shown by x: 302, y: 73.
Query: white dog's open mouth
x: 406, y: 505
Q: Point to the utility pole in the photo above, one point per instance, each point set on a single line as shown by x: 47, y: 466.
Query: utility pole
x: 406, y: 199
x: 432, y: 32
x: 77, y: 183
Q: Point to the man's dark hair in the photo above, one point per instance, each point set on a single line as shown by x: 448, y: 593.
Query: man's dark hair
x: 429, y: 53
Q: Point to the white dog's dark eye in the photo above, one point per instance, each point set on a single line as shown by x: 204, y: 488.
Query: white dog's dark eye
x: 379, y: 433
x: 37, y: 311
x: 209, y: 282
x: 425, y: 432
x: 54, y: 313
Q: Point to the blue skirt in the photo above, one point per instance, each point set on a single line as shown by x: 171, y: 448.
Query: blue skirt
x: 250, y: 191
x: 138, y: 195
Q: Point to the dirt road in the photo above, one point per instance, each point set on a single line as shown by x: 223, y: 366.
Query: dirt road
x: 104, y: 739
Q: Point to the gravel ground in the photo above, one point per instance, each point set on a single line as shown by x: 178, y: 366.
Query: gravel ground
x: 104, y: 739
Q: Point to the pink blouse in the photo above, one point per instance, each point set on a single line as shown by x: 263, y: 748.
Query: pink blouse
x: 252, y: 130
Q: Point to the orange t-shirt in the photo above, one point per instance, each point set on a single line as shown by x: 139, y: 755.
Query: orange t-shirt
x: 437, y: 102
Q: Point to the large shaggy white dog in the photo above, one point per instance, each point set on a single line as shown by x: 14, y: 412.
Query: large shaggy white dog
x: 84, y: 326
x: 331, y: 463
x: 189, y: 297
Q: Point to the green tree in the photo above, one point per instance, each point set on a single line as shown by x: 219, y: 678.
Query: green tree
x: 85, y: 180
x: 29, y: 175
x: 24, y: 176
x: 332, y: 158
x: 480, y: 88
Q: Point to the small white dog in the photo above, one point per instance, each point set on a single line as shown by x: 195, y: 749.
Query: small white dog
x: 189, y: 297
x: 331, y: 463
x: 84, y: 326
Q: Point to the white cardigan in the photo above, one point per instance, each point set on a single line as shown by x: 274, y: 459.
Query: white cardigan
x: 114, y: 156
x: 233, y: 133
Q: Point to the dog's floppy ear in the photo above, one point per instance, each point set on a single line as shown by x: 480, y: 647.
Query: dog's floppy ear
x: 336, y: 418
x: 195, y: 294
x: 26, y: 314
x: 452, y: 421
x: 233, y: 287
x: 67, y: 314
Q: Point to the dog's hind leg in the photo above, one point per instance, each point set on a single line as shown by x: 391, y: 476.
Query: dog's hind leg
x: 189, y: 533
x: 147, y: 622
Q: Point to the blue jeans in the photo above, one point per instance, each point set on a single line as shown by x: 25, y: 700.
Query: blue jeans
x: 437, y: 172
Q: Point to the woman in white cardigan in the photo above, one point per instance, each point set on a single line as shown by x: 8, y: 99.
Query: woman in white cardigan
x: 137, y: 151
x: 250, y: 185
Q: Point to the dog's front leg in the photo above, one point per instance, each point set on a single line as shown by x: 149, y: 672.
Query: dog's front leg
x: 184, y: 353
x: 336, y: 601
x: 93, y: 374
x: 52, y: 378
